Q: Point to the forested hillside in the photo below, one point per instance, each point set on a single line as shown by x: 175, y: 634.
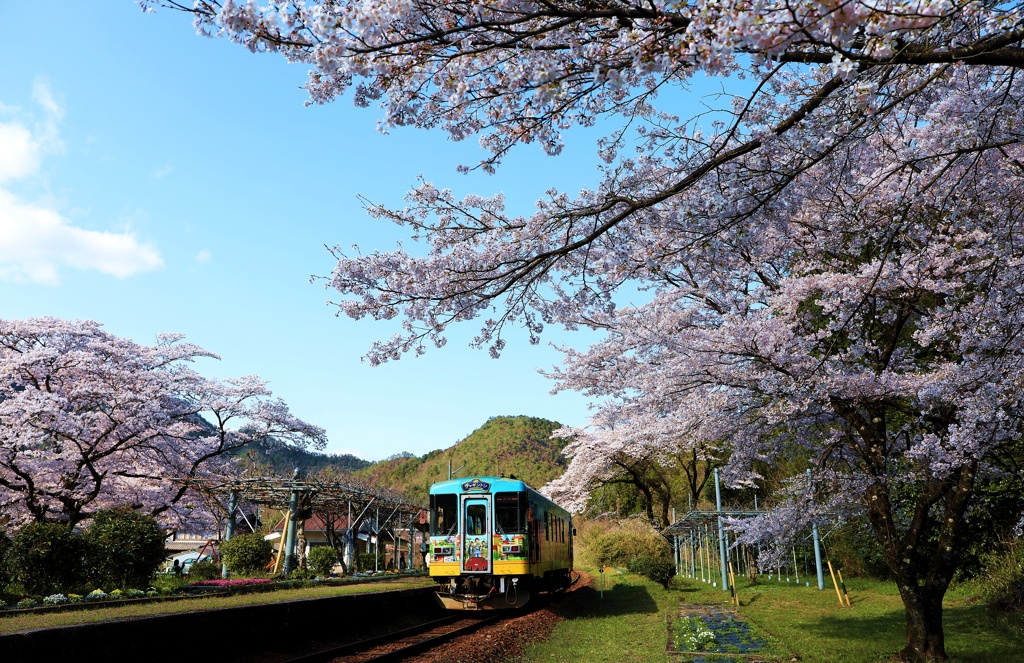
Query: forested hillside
x: 518, y: 445
x: 279, y: 459
x: 504, y: 445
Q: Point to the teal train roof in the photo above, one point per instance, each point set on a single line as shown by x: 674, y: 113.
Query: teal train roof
x: 481, y: 484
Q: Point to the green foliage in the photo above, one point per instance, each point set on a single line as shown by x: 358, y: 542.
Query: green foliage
x: 45, y: 558
x: 5, y: 546
x: 124, y: 548
x: 610, y: 543
x: 1001, y: 585
x: 655, y: 568
x: 204, y: 570
x: 246, y: 554
x: 855, y: 549
x: 321, y: 560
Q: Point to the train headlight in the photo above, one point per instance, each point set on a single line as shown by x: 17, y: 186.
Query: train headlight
x: 440, y: 551
x: 510, y: 549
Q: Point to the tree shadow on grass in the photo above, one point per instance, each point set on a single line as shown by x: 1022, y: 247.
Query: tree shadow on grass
x: 969, y: 634
x: 621, y: 599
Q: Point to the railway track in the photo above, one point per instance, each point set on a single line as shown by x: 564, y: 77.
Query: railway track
x: 406, y: 643
x: 402, y: 644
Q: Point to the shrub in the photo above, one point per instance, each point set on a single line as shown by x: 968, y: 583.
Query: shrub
x: 366, y: 562
x: 5, y: 546
x: 205, y: 570
x: 321, y: 560
x: 246, y: 554
x: 656, y: 569
x: 616, y: 544
x: 124, y: 548
x: 46, y: 558
x: 1002, y: 585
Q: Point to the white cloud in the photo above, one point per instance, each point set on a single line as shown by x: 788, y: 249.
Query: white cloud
x: 19, y: 152
x: 204, y: 256
x: 37, y: 242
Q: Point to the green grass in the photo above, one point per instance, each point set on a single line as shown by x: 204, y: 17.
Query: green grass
x: 11, y: 622
x: 629, y: 624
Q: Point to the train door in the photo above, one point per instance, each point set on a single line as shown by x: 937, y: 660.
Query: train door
x: 476, y: 539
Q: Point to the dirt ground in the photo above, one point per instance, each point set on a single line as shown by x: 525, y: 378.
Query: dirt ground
x: 507, y: 640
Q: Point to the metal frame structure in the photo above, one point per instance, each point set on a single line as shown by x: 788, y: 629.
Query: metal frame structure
x: 693, y: 535
x: 287, y: 495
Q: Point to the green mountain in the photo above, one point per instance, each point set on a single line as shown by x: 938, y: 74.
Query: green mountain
x: 520, y: 446
x: 276, y: 458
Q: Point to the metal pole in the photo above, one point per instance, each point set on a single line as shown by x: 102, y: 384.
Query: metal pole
x: 817, y: 541
x: 229, y: 528
x: 721, y: 533
x: 693, y: 566
x: 289, y: 540
x: 376, y: 546
x: 675, y: 554
x: 409, y: 554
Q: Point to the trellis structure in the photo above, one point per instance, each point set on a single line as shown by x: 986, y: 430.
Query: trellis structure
x: 693, y: 537
x: 291, y: 495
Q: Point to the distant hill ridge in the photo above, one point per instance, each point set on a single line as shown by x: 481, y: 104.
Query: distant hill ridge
x: 278, y: 459
x: 506, y: 445
x: 509, y: 445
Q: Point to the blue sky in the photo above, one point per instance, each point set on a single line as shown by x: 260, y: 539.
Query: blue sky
x: 157, y: 181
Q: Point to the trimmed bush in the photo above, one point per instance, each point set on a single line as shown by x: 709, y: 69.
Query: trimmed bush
x: 321, y: 560
x: 124, y: 548
x: 656, y: 569
x: 46, y: 558
x: 246, y: 554
x: 205, y: 570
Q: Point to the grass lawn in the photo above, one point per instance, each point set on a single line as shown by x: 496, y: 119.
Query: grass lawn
x: 628, y: 624
x: 11, y: 622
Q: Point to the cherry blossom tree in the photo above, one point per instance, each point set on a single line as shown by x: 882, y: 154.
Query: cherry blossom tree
x: 658, y: 455
x: 829, y: 251
x: 90, y: 421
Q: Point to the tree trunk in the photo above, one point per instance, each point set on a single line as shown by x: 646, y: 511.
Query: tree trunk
x: 925, y: 639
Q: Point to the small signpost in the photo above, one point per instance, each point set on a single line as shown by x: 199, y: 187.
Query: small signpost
x: 601, y: 571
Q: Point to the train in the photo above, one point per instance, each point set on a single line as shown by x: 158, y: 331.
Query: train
x: 494, y: 541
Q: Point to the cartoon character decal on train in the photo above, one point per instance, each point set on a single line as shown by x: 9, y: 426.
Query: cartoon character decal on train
x: 494, y: 540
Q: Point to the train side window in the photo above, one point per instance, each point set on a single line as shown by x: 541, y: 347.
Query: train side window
x: 547, y: 525
x: 510, y: 512
x: 442, y: 514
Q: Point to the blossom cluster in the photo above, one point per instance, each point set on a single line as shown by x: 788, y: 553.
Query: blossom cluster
x: 80, y: 406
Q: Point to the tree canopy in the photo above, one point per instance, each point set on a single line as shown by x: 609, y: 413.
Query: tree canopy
x: 91, y: 421
x: 831, y: 254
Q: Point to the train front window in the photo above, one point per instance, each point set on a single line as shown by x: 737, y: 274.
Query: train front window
x: 510, y: 512
x: 443, y: 510
x: 475, y: 519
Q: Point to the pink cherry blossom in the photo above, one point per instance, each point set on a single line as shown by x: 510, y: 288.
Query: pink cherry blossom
x: 91, y: 421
